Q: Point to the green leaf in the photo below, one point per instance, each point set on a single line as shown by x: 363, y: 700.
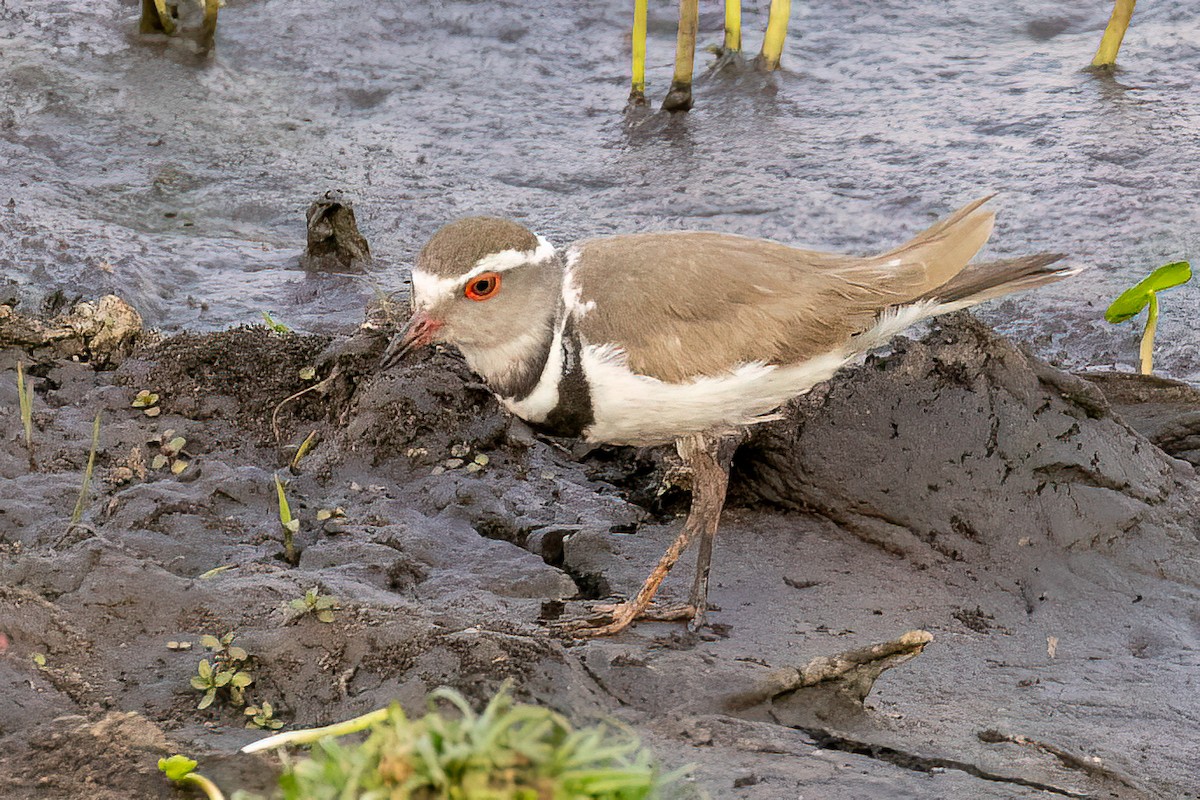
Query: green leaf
x: 285, y: 511
x: 1133, y: 300
x: 215, y: 571
x: 199, y: 683
x: 204, y: 669
x: 207, y: 700
x: 177, y: 767
x: 299, y: 604
x: 223, y: 678
x: 39, y: 659
x: 177, y: 444
x: 325, y: 616
x: 158, y: 462
x: 242, y: 679
x: 237, y: 654
x: 266, y: 709
x: 308, y: 373
x: 178, y: 466
x: 211, y: 642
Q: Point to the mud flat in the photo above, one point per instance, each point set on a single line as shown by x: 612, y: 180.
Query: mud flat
x: 954, y: 485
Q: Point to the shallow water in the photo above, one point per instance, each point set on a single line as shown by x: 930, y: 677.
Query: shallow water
x: 133, y: 166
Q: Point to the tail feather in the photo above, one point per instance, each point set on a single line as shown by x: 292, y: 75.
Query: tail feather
x: 936, y: 255
x: 991, y: 279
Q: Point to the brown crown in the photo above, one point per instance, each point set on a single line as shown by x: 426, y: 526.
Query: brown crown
x: 457, y: 246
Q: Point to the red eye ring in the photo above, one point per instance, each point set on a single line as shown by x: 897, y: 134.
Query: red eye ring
x: 483, y: 286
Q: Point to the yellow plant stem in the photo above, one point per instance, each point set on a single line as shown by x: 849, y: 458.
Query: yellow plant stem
x: 637, y: 94
x: 733, y: 26
x: 314, y: 735
x: 1147, y: 351
x: 210, y: 789
x: 1110, y: 43
x: 777, y: 25
x: 208, y: 31
x: 679, y: 98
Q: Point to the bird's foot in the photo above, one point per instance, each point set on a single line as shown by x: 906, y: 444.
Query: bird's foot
x: 606, y: 619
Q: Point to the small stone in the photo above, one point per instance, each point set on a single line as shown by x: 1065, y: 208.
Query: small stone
x: 482, y: 460
x: 453, y: 463
x: 1025, y: 541
x: 416, y: 452
x: 473, y: 467
x: 459, y: 451
x: 437, y: 470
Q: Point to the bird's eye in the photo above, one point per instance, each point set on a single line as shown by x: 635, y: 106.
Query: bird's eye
x: 483, y: 286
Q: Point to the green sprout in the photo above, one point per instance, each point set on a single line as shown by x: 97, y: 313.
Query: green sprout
x: 223, y: 673
x: 1145, y: 292
x: 147, y: 402
x: 25, y: 398
x: 182, y: 770
x: 277, y: 327
x: 262, y: 717
x: 319, y: 605
x: 77, y: 514
x: 170, y: 452
x: 509, y: 751
x: 291, y: 526
x: 303, y: 449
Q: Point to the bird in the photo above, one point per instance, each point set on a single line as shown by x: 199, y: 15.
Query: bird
x: 690, y: 337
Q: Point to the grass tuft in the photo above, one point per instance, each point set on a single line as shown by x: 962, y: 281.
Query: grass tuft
x: 77, y: 514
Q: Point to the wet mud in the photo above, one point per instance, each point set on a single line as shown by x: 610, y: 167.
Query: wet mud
x: 1049, y: 548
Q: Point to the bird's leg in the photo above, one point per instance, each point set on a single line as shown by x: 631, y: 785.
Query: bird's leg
x: 710, y: 478
x: 710, y: 460
x: 679, y: 98
x: 733, y: 28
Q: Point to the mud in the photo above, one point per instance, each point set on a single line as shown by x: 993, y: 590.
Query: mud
x: 1044, y: 516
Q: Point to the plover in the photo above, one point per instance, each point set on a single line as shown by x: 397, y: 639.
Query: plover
x: 686, y: 337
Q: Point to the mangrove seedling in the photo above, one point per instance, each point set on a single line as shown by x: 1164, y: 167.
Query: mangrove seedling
x: 170, y: 452
x: 1114, y: 33
x: 313, y: 602
x: 77, y: 514
x: 147, y: 401
x: 182, y: 770
x: 1145, y: 293
x: 291, y: 526
x: 25, y: 399
x: 262, y: 717
x: 509, y: 750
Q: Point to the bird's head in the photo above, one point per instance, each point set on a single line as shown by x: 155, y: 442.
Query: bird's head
x: 488, y: 286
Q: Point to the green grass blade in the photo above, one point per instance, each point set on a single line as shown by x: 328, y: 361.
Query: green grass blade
x: 87, y: 473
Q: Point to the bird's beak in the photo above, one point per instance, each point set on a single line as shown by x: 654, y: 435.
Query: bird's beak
x: 419, y: 331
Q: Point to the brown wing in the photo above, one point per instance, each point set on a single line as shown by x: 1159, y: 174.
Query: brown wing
x: 688, y: 303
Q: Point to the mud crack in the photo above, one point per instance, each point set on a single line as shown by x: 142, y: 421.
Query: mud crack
x: 919, y: 763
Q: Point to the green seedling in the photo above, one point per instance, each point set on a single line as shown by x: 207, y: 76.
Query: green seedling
x: 1145, y: 293
x: 25, y: 399
x: 39, y: 660
x: 147, y: 401
x: 215, y: 571
x: 277, y: 327
x: 182, y: 770
x: 330, y: 513
x: 262, y: 717
x: 77, y: 514
x: 303, y: 449
x: 308, y: 373
x: 170, y: 452
x: 319, y: 605
x: 508, y: 751
x: 223, y: 673
x: 290, y: 525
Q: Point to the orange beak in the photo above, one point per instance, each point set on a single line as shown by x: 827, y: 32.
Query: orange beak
x: 420, y: 331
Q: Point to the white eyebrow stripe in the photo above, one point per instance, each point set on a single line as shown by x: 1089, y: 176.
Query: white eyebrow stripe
x: 429, y: 289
